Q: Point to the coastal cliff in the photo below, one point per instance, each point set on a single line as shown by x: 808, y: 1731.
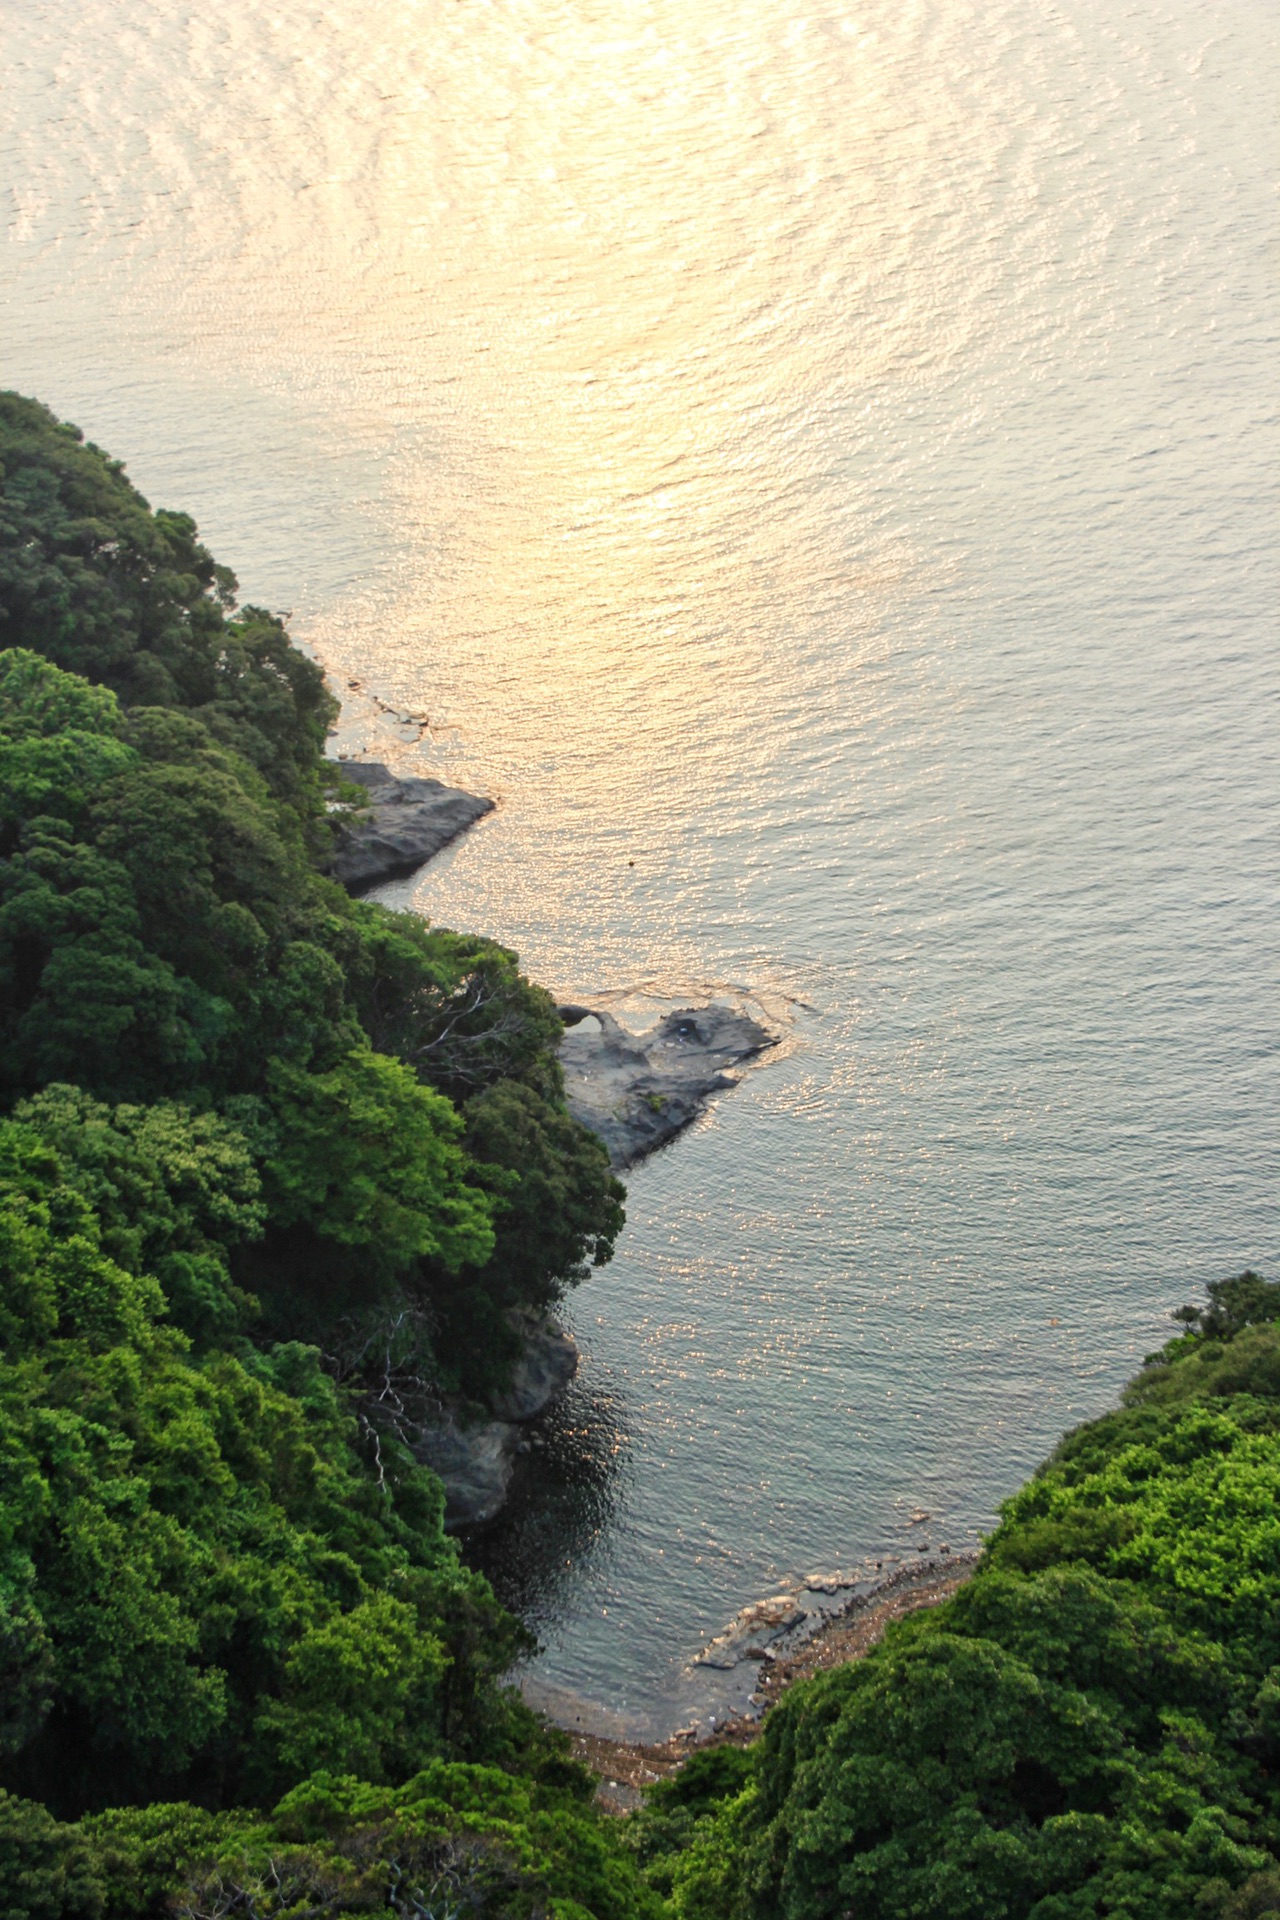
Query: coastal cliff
x: 475, y: 1457
x: 282, y: 1174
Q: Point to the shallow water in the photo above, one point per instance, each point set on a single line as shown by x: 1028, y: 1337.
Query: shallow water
x: 823, y: 456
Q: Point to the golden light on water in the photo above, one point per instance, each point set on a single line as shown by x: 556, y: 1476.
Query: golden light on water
x: 606, y: 307
x: 646, y: 341
x: 623, y: 340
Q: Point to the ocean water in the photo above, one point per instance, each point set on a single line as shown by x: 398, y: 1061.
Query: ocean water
x: 815, y: 465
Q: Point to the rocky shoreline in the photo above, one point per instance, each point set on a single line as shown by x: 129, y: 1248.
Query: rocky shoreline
x: 627, y: 1767
x: 733, y: 1678
x: 406, y: 823
x: 634, y: 1091
x: 474, y: 1457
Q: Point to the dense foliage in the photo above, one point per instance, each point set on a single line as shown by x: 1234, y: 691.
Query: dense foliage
x: 167, y: 935
x: 208, y: 1600
x: 95, y: 582
x: 1091, y: 1727
x: 267, y: 1155
x: 454, y: 1840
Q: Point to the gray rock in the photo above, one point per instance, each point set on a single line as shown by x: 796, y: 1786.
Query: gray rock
x: 754, y: 1634
x: 407, y: 821
x: 475, y: 1463
x: 638, y: 1091
x: 775, y: 1628
x: 547, y: 1365
x: 476, y: 1460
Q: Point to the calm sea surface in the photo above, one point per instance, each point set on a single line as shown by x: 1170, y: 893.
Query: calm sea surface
x: 823, y: 455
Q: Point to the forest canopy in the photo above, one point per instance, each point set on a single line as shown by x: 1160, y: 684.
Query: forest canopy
x: 250, y: 1132
x: 168, y: 935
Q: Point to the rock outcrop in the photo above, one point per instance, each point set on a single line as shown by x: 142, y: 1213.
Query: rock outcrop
x: 638, y: 1090
x: 774, y: 1628
x: 476, y: 1458
x: 475, y: 1463
x: 756, y: 1631
x: 544, y: 1369
x: 405, y: 823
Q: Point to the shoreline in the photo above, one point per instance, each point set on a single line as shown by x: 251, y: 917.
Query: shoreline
x: 626, y: 1767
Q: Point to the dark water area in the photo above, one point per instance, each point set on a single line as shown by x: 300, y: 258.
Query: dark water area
x: 816, y: 469
x: 565, y: 1498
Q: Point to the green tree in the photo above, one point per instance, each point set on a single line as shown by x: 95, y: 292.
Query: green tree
x: 60, y: 740
x: 366, y: 1156
x: 216, y: 1573
x: 455, y: 1007
x: 103, y: 587
x: 181, y: 1542
x: 46, y: 1869
x: 357, y: 1687
x: 561, y: 1207
x: 173, y: 1192
x: 557, y: 1211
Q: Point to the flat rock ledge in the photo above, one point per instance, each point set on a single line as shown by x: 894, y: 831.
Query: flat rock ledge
x: 777, y: 1629
x: 637, y: 1091
x: 406, y: 823
x: 476, y: 1458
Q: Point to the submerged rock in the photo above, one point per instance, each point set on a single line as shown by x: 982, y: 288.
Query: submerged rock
x: 638, y: 1090
x: 407, y: 821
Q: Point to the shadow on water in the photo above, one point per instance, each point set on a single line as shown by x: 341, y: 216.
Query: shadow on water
x: 564, y: 1501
